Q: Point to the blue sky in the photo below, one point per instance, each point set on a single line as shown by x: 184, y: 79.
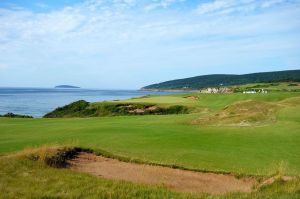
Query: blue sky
x: 127, y: 44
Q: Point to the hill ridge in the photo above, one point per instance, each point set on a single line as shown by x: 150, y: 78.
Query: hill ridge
x: 215, y: 80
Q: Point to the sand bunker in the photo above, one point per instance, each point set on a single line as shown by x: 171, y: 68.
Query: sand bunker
x: 179, y: 180
x: 192, y: 97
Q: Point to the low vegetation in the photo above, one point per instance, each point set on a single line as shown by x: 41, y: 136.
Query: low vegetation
x: 24, y: 177
x: 267, y: 146
x: 85, y: 109
x: 12, y: 115
x: 245, y: 113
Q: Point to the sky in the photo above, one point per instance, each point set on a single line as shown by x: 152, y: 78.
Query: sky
x: 128, y: 44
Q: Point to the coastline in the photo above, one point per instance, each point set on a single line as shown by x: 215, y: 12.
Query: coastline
x: 170, y: 90
x: 39, y: 101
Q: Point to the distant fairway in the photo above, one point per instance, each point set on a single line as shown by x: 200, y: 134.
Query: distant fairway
x: 172, y: 139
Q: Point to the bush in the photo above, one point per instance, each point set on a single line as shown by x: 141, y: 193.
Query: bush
x: 74, y: 109
x: 177, y: 109
x: 84, y: 109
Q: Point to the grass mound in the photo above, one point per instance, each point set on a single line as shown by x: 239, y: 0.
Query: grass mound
x: 245, y: 113
x: 53, y: 156
x: 75, y: 109
x: 82, y: 108
x: 293, y: 101
x: 60, y: 157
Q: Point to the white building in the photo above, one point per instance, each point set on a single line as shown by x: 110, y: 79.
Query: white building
x: 259, y: 91
x: 249, y: 91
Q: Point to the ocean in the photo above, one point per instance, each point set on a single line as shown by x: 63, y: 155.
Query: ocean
x: 39, y: 101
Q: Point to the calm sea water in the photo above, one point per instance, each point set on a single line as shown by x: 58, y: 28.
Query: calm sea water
x: 39, y: 101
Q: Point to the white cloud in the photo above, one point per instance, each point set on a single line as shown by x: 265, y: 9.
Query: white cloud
x: 161, y: 4
x: 123, y: 39
x: 238, y: 6
x: 215, y: 6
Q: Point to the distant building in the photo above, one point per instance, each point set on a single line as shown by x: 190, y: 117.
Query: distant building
x: 217, y: 90
x: 259, y: 91
x: 249, y: 91
x: 263, y: 91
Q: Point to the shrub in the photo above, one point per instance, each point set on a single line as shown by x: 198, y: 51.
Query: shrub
x: 74, y: 109
x: 84, y: 109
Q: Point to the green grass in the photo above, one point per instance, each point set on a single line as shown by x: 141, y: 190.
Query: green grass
x: 280, y: 86
x: 172, y: 139
x: 163, y: 139
x: 212, y: 101
x: 24, y: 178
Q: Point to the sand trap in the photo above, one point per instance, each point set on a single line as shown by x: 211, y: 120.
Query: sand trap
x: 192, y: 97
x: 179, y: 180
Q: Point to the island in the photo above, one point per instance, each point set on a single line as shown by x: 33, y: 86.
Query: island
x: 66, y: 86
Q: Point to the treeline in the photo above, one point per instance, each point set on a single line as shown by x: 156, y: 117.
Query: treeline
x: 200, y: 82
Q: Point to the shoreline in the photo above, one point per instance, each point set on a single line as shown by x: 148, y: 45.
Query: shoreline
x: 170, y: 90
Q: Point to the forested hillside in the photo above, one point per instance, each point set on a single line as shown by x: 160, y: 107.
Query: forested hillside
x: 204, y: 81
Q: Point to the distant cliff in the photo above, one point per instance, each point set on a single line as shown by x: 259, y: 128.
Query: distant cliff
x: 205, y: 81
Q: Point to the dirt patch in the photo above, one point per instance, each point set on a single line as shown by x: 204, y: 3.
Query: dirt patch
x: 179, y: 180
x: 138, y: 110
x: 152, y: 108
x: 271, y: 180
x: 192, y: 97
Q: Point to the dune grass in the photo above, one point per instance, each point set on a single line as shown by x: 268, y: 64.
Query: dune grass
x: 21, y: 177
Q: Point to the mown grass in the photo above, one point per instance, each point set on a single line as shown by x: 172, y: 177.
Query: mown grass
x: 172, y: 139
x: 212, y: 101
x: 273, y: 148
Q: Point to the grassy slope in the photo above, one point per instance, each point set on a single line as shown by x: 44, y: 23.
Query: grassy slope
x: 198, y: 82
x: 171, y: 139
x: 82, y: 108
x: 272, y: 86
x: 213, y: 101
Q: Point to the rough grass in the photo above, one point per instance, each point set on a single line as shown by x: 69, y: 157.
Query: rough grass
x: 82, y: 108
x: 22, y: 177
x: 245, y: 113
